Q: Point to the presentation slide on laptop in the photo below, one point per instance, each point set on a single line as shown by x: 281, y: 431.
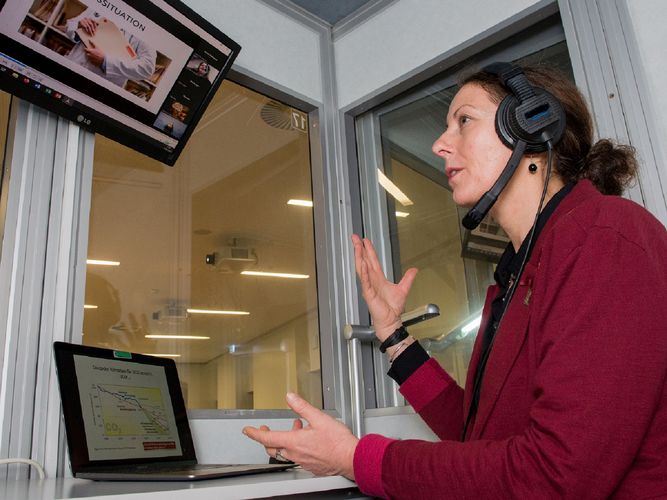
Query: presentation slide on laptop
x: 126, y: 409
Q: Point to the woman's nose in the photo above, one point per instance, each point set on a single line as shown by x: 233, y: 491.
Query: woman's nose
x: 442, y: 146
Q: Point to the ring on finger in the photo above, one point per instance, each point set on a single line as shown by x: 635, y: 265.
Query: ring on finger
x: 279, y: 455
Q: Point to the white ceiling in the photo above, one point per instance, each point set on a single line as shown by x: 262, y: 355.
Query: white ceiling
x: 331, y: 11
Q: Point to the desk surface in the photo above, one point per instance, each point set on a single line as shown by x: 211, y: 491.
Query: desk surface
x: 290, y: 482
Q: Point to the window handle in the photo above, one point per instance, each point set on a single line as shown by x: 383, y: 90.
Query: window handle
x: 366, y: 333
x: 459, y: 332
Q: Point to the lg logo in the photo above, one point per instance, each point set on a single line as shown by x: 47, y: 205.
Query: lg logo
x: 82, y: 119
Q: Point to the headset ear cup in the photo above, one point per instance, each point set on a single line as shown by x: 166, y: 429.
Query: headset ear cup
x: 510, y: 130
x: 506, y: 109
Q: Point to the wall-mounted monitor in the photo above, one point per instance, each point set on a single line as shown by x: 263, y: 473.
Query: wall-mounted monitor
x: 140, y: 72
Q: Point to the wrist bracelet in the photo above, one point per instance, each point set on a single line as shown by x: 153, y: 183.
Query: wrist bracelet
x: 401, y: 347
x: 400, y: 334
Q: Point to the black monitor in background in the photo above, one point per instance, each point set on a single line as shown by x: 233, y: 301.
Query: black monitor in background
x: 140, y: 72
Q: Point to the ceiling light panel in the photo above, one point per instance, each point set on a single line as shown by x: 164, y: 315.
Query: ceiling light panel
x: 97, y: 262
x: 393, y: 189
x: 177, y: 337
x: 218, y: 311
x: 300, y: 203
x: 276, y: 275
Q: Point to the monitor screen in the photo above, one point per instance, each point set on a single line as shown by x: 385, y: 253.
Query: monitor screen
x: 140, y: 72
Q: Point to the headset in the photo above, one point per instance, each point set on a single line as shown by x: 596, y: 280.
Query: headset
x: 528, y: 120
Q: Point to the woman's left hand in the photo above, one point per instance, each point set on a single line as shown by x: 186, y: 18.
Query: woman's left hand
x: 325, y: 447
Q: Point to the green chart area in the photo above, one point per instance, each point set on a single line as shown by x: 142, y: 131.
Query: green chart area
x: 132, y: 411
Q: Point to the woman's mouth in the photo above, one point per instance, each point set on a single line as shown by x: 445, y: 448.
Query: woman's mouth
x: 452, y: 172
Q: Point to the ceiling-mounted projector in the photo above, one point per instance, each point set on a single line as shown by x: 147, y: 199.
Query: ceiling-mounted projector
x: 232, y: 258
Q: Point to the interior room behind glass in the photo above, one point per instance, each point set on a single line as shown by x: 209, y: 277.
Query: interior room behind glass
x: 177, y: 240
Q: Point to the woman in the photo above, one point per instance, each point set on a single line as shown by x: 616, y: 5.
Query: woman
x: 566, y: 394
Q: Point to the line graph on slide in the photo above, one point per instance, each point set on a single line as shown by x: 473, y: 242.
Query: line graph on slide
x: 130, y: 411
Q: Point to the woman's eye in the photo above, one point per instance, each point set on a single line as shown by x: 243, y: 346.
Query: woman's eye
x: 463, y: 119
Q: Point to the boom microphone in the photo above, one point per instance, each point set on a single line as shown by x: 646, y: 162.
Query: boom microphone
x: 482, y: 207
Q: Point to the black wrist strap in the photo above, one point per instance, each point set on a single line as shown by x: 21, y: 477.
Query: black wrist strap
x: 400, y: 334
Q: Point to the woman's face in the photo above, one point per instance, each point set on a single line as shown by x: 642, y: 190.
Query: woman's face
x: 474, y: 155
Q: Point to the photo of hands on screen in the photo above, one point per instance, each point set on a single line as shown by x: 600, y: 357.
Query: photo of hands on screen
x: 96, y: 43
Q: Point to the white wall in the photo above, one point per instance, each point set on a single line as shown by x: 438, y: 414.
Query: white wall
x: 649, y: 18
x: 273, y: 46
x: 398, y: 424
x: 408, y: 34
x: 221, y: 441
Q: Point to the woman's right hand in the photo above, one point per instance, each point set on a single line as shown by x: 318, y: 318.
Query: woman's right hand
x: 88, y: 25
x: 385, y: 300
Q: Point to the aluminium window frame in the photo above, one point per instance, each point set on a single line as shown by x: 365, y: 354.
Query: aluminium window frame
x: 43, y: 259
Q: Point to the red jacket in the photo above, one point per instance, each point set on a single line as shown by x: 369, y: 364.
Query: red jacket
x: 574, y: 401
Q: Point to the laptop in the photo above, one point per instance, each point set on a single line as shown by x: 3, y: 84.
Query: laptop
x: 125, y: 419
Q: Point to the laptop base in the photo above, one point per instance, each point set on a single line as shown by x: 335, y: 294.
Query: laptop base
x: 194, y: 474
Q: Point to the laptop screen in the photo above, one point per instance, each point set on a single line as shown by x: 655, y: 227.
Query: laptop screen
x: 121, y: 407
x: 127, y: 412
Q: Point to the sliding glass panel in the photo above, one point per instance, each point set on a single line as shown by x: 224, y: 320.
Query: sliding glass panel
x: 425, y: 227
x: 212, y: 261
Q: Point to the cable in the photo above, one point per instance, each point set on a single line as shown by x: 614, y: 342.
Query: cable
x: 510, y: 293
x: 532, y: 231
x: 36, y: 465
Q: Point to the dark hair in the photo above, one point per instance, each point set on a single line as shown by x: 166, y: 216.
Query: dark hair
x: 206, y: 67
x: 610, y: 167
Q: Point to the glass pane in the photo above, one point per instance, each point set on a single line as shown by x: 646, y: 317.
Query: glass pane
x: 5, y: 100
x: 456, y: 266
x: 425, y: 228
x: 185, y: 237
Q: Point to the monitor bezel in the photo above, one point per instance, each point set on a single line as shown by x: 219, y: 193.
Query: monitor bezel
x: 96, y: 122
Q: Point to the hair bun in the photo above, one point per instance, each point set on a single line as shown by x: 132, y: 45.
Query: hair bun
x: 610, y: 167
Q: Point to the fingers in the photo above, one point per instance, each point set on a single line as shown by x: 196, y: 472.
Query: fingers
x: 407, y: 279
x: 359, y: 264
x: 269, y: 451
x: 297, y: 425
x: 366, y: 260
x: 270, y: 439
x: 88, y: 26
x: 363, y: 250
x: 273, y: 441
x: 358, y: 252
x: 372, y: 257
x: 304, y: 408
